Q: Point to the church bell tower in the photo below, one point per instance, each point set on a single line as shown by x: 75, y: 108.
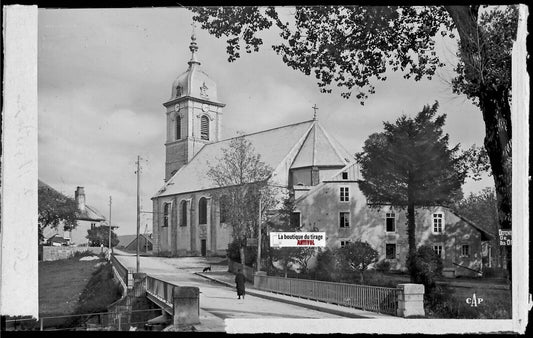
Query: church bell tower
x: 194, y: 114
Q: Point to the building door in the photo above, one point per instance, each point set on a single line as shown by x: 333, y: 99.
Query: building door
x: 203, y: 243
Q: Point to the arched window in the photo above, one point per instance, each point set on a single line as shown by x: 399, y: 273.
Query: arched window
x: 166, y: 209
x: 202, y: 211
x: 178, y: 127
x: 204, y: 128
x: 183, y: 214
x: 224, y: 205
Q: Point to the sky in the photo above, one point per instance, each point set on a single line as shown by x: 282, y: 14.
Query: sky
x: 103, y: 75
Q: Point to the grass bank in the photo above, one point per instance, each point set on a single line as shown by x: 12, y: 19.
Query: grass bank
x: 71, y: 286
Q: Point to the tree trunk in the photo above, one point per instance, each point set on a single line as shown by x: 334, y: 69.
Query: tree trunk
x: 243, y: 257
x: 362, y: 277
x: 496, y: 110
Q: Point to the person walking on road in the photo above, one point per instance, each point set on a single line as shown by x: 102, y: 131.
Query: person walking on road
x: 239, y: 281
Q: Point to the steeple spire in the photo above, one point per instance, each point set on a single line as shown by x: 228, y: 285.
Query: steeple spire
x: 314, y: 113
x: 193, y: 47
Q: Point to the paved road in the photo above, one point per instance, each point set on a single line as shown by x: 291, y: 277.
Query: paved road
x: 217, y: 299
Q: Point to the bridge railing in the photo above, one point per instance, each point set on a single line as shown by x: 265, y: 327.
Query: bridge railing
x: 123, y: 273
x: 160, y: 289
x: 370, y: 298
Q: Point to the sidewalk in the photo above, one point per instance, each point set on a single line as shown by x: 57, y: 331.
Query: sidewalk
x: 228, y: 279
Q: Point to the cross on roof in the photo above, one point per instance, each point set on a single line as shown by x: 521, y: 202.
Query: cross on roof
x: 314, y: 114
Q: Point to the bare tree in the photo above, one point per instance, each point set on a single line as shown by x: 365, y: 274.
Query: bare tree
x: 243, y: 179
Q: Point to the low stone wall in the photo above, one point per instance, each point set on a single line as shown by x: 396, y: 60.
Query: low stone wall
x: 54, y: 253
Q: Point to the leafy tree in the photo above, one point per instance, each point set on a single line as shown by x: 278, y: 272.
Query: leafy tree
x: 100, y: 235
x: 353, y: 46
x: 410, y: 164
x: 482, y: 209
x: 55, y: 209
x: 283, y: 221
x: 326, y: 264
x: 243, y: 177
x: 356, y: 256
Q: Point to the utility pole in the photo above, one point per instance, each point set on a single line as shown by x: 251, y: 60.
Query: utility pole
x: 259, y: 235
x: 138, y: 207
x: 110, y: 247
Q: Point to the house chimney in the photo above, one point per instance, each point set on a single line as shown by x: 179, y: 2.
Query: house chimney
x: 80, y: 198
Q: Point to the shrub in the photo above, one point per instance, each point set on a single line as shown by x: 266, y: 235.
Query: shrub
x: 326, y: 265
x: 383, y: 266
x: 234, y: 254
x: 424, y: 267
x: 356, y: 256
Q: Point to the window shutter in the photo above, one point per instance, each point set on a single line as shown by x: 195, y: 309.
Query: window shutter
x: 204, y: 128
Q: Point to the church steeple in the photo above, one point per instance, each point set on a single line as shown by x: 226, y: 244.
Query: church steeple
x: 194, y: 114
x: 193, y: 47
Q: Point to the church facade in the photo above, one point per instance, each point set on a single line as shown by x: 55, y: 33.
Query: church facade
x: 308, y: 162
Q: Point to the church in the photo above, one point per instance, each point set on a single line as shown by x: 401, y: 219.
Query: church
x: 308, y: 162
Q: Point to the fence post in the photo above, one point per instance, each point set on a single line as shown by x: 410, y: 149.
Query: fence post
x: 410, y: 300
x: 258, y: 278
x: 186, y: 305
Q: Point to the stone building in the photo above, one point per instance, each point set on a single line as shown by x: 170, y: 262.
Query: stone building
x: 307, y: 161
x: 87, y: 217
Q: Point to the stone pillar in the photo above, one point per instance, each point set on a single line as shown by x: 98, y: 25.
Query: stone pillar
x: 186, y: 305
x: 139, y: 283
x: 410, y: 300
x: 258, y: 276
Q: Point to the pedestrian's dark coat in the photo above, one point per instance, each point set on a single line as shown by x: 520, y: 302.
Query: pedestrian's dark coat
x: 240, y: 280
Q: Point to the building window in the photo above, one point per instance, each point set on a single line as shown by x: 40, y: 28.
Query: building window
x: 178, y: 91
x: 390, y: 222
x: 439, y: 250
x: 166, y: 210
x: 344, y: 175
x: 344, y: 243
x: 438, y: 223
x: 202, y: 211
x: 178, y: 127
x: 344, y: 219
x: 204, y: 128
x: 345, y: 194
x: 183, y: 216
x: 224, y: 205
x: 93, y: 225
x: 295, y: 219
x: 390, y: 251
x: 465, y: 250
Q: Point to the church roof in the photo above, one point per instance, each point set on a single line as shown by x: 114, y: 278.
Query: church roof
x: 319, y: 149
x: 278, y: 148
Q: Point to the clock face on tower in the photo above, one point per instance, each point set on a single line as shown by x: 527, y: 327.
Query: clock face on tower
x: 177, y: 107
x: 205, y: 107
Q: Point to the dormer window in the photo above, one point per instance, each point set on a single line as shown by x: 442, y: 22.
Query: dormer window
x: 204, y: 128
x: 178, y: 91
x: 344, y: 175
